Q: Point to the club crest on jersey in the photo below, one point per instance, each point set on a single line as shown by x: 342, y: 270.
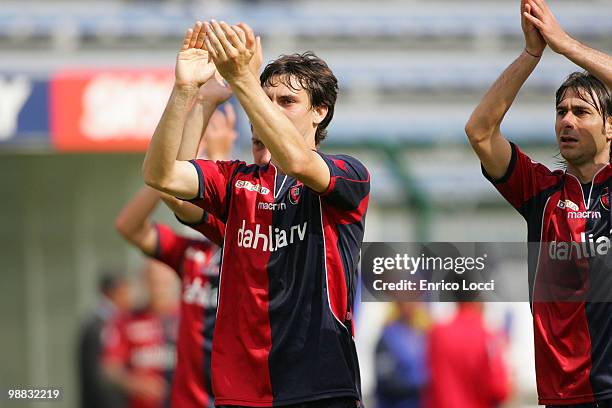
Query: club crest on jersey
x: 604, y: 199
x: 295, y: 193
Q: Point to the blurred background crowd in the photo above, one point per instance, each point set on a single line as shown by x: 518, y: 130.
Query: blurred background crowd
x: 82, y: 86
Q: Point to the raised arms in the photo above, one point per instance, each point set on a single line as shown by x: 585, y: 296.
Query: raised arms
x: 483, y: 127
x: 161, y: 169
x: 231, y: 48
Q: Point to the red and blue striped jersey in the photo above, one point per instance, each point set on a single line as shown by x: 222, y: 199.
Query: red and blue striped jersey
x: 284, y: 322
x: 573, y: 347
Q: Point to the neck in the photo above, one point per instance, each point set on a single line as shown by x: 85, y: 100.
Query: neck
x: 585, y: 172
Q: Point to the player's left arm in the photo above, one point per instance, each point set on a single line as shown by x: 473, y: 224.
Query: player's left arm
x: 134, y: 222
x: 232, y: 48
x: 594, y: 61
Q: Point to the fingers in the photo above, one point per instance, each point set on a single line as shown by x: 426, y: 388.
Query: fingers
x: 258, y: 48
x: 214, y: 42
x: 232, y: 37
x: 240, y: 32
x: 214, y: 122
x: 211, y: 49
x: 219, y: 32
x: 533, y: 20
x: 536, y: 11
x: 197, y: 29
x: 230, y: 114
x: 250, y: 37
x: 187, y: 39
x: 527, y: 9
x: 200, y: 38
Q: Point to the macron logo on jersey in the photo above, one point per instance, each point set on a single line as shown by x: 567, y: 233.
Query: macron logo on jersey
x: 271, y: 206
x: 270, y: 240
x: 247, y: 185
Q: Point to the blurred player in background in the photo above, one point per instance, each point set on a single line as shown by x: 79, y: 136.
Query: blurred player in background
x: 401, y: 358
x: 139, y: 348
x: 293, y: 228
x: 573, y: 346
x: 466, y: 361
x: 115, y: 300
x: 196, y: 260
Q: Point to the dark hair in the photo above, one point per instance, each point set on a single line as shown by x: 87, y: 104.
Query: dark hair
x: 313, y: 75
x: 110, y: 279
x: 591, y: 90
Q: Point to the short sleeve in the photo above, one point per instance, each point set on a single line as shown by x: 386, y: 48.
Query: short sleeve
x: 209, y: 226
x: 214, y: 178
x: 349, y: 185
x: 524, y: 179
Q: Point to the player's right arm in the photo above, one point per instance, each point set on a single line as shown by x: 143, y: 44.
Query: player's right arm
x: 202, y: 120
x: 161, y: 169
x: 483, y: 127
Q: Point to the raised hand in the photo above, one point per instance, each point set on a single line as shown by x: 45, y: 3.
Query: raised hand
x: 534, y: 42
x: 193, y: 66
x: 231, y: 48
x: 544, y: 20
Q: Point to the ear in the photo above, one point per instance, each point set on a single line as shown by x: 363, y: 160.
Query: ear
x: 608, y: 129
x: 320, y: 112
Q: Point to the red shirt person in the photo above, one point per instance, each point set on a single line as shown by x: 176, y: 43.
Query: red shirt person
x: 466, y: 362
x: 139, y: 347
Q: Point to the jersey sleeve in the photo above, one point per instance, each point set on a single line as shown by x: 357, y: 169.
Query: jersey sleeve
x: 209, y: 226
x: 170, y: 247
x: 349, y: 185
x: 214, y: 179
x: 524, y: 180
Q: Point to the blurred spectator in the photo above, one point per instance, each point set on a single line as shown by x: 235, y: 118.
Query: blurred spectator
x: 115, y: 299
x: 139, y: 349
x: 466, y: 362
x: 401, y: 366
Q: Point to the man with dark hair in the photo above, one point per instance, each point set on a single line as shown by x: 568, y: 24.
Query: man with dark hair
x: 294, y: 227
x: 573, y: 347
x: 139, y: 347
x: 301, y: 70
